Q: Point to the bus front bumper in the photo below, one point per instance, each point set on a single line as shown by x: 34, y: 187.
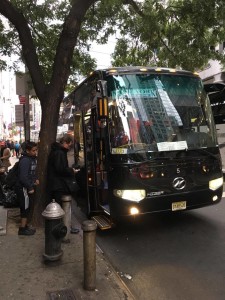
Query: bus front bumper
x: 170, y: 203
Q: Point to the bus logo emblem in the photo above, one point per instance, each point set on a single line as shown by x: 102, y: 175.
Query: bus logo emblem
x: 179, y: 183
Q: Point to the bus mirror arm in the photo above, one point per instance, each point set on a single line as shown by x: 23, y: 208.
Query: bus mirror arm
x: 101, y: 87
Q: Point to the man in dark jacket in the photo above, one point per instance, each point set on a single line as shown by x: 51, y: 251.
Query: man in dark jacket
x: 26, y: 186
x: 59, y: 170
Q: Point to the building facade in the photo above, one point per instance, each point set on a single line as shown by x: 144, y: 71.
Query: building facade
x: 9, y: 102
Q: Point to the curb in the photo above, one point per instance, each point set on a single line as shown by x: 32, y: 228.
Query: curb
x: 3, y: 220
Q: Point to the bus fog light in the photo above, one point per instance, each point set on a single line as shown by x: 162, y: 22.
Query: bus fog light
x: 215, y: 183
x: 131, y: 195
x: 134, y: 211
x: 215, y: 198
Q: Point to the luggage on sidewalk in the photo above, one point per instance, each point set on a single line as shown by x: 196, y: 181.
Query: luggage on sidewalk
x: 10, y: 198
x: 12, y: 176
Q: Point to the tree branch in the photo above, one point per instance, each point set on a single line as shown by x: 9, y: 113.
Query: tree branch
x: 28, y: 48
x: 67, y: 42
x: 135, y: 7
x: 141, y: 14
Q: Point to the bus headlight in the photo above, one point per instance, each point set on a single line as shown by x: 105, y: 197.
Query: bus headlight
x: 215, y: 183
x: 131, y: 195
x: 134, y: 211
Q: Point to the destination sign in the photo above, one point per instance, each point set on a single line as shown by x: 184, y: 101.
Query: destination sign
x: 151, y: 93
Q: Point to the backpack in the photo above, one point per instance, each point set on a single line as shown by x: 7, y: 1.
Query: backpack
x: 12, y: 176
x: 17, y: 146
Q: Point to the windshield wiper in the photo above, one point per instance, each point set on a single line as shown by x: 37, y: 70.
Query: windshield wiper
x: 147, y: 148
x: 203, y: 151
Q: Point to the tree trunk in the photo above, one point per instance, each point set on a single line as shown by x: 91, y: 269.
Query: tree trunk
x: 50, y: 114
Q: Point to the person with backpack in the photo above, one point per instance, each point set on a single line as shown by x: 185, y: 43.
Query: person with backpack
x: 17, y: 149
x: 25, y: 186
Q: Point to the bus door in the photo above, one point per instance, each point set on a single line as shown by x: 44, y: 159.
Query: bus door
x: 95, y: 152
x: 90, y: 160
x: 96, y: 163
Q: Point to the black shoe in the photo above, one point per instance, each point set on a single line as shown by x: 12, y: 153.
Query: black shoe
x: 74, y: 230
x: 26, y: 231
x: 31, y: 228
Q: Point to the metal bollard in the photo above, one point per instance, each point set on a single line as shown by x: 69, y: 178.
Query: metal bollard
x: 89, y: 249
x: 66, y: 206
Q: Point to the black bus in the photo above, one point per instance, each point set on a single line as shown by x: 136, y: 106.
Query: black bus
x: 149, y: 142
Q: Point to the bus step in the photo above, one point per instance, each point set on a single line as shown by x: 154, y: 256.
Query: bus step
x: 102, y: 222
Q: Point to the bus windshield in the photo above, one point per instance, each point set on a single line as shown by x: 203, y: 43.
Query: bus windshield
x: 158, y: 112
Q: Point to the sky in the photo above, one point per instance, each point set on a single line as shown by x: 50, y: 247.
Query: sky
x: 102, y: 53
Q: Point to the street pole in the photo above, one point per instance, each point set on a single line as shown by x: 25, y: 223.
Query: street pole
x: 89, y: 248
x: 27, y: 107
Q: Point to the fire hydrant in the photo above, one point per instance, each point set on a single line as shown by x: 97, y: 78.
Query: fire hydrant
x: 55, y: 231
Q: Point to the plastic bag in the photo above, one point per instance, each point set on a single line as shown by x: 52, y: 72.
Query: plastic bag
x: 10, y: 198
x: 70, y: 184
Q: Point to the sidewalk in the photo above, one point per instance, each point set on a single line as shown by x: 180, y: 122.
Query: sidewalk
x: 25, y: 275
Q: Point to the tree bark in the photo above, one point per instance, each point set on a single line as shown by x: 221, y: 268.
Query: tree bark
x: 47, y: 137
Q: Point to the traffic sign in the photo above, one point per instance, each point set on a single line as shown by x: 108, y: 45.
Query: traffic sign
x: 22, y: 99
x: 19, y: 113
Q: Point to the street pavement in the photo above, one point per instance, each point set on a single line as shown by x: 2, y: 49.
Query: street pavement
x: 26, y: 276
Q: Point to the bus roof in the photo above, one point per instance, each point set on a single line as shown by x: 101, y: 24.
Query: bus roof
x: 143, y: 69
